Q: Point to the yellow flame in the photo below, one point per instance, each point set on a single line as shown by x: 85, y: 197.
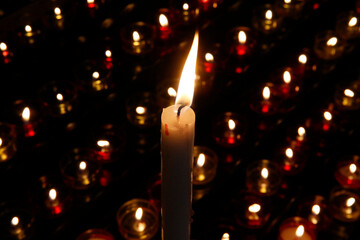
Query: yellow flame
x: 103, y: 143
x: 353, y: 22
x: 352, y: 168
x: 287, y: 77
x: 265, y: 173
x: 139, y: 213
x: 1, y: 142
x: 26, y: 114
x: 15, y: 221
x: 163, y: 20
x: 59, y: 97
x: 287, y: 1
x: 254, y: 208
x: 90, y: 1
x: 332, y: 42
x: 301, y: 131
x: 96, y: 75
x: 231, y: 124
x: 136, y: 36
x: 3, y: 46
x: 350, y: 201
x: 82, y: 165
x: 172, y: 92
x: 300, y: 230
x: 327, y: 115
x: 315, y: 209
x: 266, y: 93
x: 289, y: 152
x: 349, y: 93
x: 185, y: 7
x: 108, y: 53
x: 57, y: 11
x: 201, y: 160
x: 242, y: 37
x: 187, y: 80
x: 225, y: 236
x: 302, y: 58
x: 28, y: 28
x: 52, y: 194
x: 268, y: 14
x: 209, y: 57
x: 140, y: 110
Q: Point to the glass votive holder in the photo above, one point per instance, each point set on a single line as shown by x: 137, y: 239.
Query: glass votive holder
x: 292, y: 160
x: 265, y: 19
x: 347, y: 98
x: 242, y: 41
x: 263, y: 177
x: 98, y: 234
x: 138, y: 219
x: 166, y: 93
x: 29, y: 33
x: 6, y: 54
x: 315, y: 210
x: 8, y: 141
x: 286, y: 84
x: 290, y: 8
x: 347, y: 172
x: 28, y: 117
x: 329, y: 45
x: 16, y: 224
x: 296, y: 228
x: 229, y: 130
x: 138, y: 38
x: 142, y: 110
x: 348, y: 25
x: 165, y: 23
x: 59, y: 98
x: 251, y: 210
x: 205, y: 165
x: 57, y: 17
x: 344, y: 205
x: 263, y: 101
x: 304, y: 63
x: 80, y: 168
x: 188, y: 11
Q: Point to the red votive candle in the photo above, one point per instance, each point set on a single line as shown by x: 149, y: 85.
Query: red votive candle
x: 165, y: 23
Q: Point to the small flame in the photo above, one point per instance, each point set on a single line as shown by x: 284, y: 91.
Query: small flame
x: 59, y: 97
x: 301, y: 131
x: 302, y: 58
x: 349, y: 93
x: 108, y: 53
x: 225, y: 236
x: 327, y: 115
x: 315, y: 209
x: 90, y: 1
x: 52, y: 194
x: 15, y: 221
x: 3, y: 46
x: 268, y: 14
x: 332, y: 42
x: 172, y: 92
x: 139, y: 213
x: 57, y: 11
x: 185, y: 7
x: 82, y: 165
x: 353, y: 22
x: 254, y: 208
x: 26, y: 114
x: 287, y: 77
x: 352, y: 168
x: 136, y: 36
x: 287, y: 1
x: 242, y: 37
x: 1, y: 142
x: 187, y: 80
x: 350, y: 201
x: 96, y: 75
x: 103, y: 143
x: 209, y: 57
x: 265, y: 173
x: 300, y: 230
x: 163, y: 20
x: 289, y: 152
x: 28, y: 28
x: 201, y: 160
x: 140, y: 110
x: 231, y: 124
x: 266, y: 93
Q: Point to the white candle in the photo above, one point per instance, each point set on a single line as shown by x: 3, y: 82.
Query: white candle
x: 177, y: 143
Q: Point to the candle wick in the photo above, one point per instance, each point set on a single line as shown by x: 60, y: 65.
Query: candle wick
x: 179, y: 110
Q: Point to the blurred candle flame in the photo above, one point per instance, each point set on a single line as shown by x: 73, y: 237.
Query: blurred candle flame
x: 28, y: 28
x: 265, y: 173
x: 59, y: 97
x: 266, y: 93
x: 332, y: 42
x: 349, y: 93
x: 231, y: 124
x: 139, y: 213
x: 172, y: 92
x: 108, y: 53
x: 242, y: 37
x: 186, y: 6
x: 300, y: 230
x: 140, y: 110
x: 315, y: 209
x: 268, y: 14
x: 201, y: 160
x: 95, y: 75
x: 353, y: 21
x: 3, y: 46
x: 301, y: 131
x: 327, y: 115
x: 302, y: 58
x: 225, y: 236
x: 103, y: 143
x: 350, y: 201
x: 26, y: 114
x: 287, y: 77
x: 254, y: 208
x: 136, y: 36
x: 163, y: 20
x: 287, y: 1
x: 209, y: 57
x: 289, y: 152
x: 82, y: 165
x: 15, y: 221
x: 352, y: 168
x: 52, y: 194
x: 1, y: 142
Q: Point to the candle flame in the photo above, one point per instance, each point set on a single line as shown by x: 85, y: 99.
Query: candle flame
x: 172, y: 92
x: 231, y: 124
x: 266, y: 93
x: 187, y: 80
x: 332, y: 42
x: 108, y: 53
x: 96, y: 75
x: 353, y: 22
x: 349, y: 93
x: 242, y: 37
x: 163, y: 20
x: 15, y: 221
x: 287, y: 77
x: 352, y: 168
x: 59, y: 97
x: 254, y: 208
x: 82, y: 165
x: 300, y: 230
x: 52, y: 194
x: 265, y: 173
x: 139, y: 213
x: 327, y: 115
x: 289, y: 152
x: 185, y: 7
x: 103, y: 143
x: 1, y: 142
x: 315, y: 209
x: 209, y: 57
x: 90, y: 1
x: 350, y: 201
x: 287, y: 1
x: 225, y: 236
x: 3, y: 46
x: 28, y: 28
x: 302, y: 58
x: 57, y: 11
x: 201, y: 160
x: 26, y: 114
x: 301, y: 131
x: 136, y: 36
x: 268, y: 14
x: 140, y: 110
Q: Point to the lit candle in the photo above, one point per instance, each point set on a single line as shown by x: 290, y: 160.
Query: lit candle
x: 5, y: 52
x: 347, y: 173
x: 348, y: 99
x: 265, y: 103
x: 53, y: 203
x: 265, y: 19
x: 229, y: 130
x: 105, y: 149
x: 83, y: 173
x: 177, y: 143
x: 28, y: 127
x: 328, y: 45
x: 344, y: 205
x: 108, y: 59
x: 348, y: 25
x: 205, y: 165
x: 165, y: 30
x: 296, y: 228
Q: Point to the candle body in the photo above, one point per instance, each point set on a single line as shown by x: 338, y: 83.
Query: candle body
x: 177, y: 143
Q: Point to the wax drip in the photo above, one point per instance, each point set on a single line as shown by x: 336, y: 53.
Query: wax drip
x: 179, y: 110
